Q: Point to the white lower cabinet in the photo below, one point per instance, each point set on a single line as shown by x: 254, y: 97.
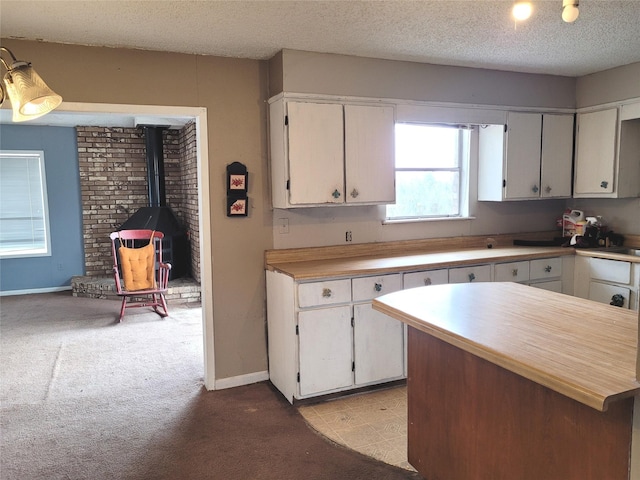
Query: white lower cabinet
x: 325, y: 339
x: 378, y: 346
x: 378, y: 340
x: 324, y: 336
x: 615, y: 282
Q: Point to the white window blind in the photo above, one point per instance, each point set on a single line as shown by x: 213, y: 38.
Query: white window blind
x: 24, y: 215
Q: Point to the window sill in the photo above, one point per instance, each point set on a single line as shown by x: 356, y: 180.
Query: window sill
x: 392, y: 221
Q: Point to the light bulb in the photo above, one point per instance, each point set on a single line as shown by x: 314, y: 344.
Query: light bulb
x: 522, y: 10
x: 570, y: 11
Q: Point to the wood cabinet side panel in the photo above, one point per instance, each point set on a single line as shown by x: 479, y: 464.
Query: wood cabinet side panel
x: 474, y: 419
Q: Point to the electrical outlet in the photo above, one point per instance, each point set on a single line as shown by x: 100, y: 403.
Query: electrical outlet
x: 348, y: 237
x: 283, y: 225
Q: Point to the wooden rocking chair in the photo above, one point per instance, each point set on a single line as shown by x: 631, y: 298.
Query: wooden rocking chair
x: 141, y: 276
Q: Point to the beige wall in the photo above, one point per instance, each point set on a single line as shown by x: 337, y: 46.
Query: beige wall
x: 233, y: 91
x: 307, y: 72
x: 612, y: 85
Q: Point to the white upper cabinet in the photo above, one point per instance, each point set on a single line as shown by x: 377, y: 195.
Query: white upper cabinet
x: 528, y: 159
x: 370, y: 154
x: 316, y: 153
x: 331, y: 153
x: 595, y: 152
x: 557, y: 156
x: 608, y: 153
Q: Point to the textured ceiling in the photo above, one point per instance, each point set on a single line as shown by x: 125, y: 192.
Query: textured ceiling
x: 476, y: 33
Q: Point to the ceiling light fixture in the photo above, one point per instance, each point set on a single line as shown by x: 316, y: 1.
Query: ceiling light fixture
x: 522, y: 10
x: 570, y: 10
x: 30, y: 96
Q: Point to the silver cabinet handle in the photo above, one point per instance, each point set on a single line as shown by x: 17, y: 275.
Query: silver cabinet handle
x: 326, y: 292
x: 472, y: 277
x: 354, y: 193
x: 427, y: 281
x: 378, y: 287
x: 514, y: 272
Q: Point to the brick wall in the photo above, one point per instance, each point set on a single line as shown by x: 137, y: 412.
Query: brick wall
x: 113, y: 185
x: 189, y: 198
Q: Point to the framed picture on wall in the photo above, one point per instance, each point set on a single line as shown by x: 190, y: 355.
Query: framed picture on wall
x: 237, y: 206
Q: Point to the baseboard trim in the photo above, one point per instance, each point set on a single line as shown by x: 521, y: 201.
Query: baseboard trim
x: 240, y: 380
x: 7, y: 293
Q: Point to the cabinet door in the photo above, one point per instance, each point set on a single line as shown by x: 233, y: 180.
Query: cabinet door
x: 604, y: 293
x: 369, y: 154
x: 524, y: 132
x: 557, y: 155
x: 316, y: 153
x: 325, y: 346
x: 378, y: 345
x: 595, y: 152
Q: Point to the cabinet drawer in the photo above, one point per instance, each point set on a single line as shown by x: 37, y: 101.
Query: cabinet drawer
x: 610, y: 270
x: 545, y: 268
x: 430, y: 277
x: 511, y: 272
x: 367, y: 288
x: 553, y: 285
x: 324, y: 293
x: 478, y: 273
x: 603, y: 293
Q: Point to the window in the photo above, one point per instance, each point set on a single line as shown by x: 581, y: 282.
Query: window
x: 24, y: 216
x: 431, y: 171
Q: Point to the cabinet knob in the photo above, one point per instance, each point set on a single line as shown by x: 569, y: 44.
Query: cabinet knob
x: 427, y: 281
x: 378, y: 287
x: 617, y: 300
x: 547, y: 189
x: 354, y: 193
x: 535, y: 189
x: 604, y: 184
x: 514, y: 272
x: 336, y: 193
x: 326, y: 292
x: 547, y: 268
x: 472, y: 277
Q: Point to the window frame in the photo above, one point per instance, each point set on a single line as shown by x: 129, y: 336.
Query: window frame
x: 464, y: 152
x: 44, y: 251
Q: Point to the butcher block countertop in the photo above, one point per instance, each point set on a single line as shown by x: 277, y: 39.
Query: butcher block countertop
x: 579, y: 348
x: 380, y: 264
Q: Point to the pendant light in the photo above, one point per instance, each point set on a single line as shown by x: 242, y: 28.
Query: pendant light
x: 30, y: 96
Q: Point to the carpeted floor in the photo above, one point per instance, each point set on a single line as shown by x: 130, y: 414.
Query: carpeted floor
x: 82, y: 397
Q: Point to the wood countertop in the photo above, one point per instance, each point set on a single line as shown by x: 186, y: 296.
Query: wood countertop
x: 380, y: 264
x: 579, y: 348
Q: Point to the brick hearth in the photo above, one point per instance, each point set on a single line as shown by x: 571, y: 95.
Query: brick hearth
x: 181, y: 290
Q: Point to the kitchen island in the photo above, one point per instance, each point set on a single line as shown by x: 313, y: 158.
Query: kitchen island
x: 506, y: 381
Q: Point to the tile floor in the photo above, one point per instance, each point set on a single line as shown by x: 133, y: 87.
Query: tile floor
x: 373, y: 423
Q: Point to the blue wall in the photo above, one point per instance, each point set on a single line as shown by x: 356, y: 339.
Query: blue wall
x: 65, y: 210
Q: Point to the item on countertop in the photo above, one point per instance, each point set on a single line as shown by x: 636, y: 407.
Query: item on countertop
x: 570, y: 221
